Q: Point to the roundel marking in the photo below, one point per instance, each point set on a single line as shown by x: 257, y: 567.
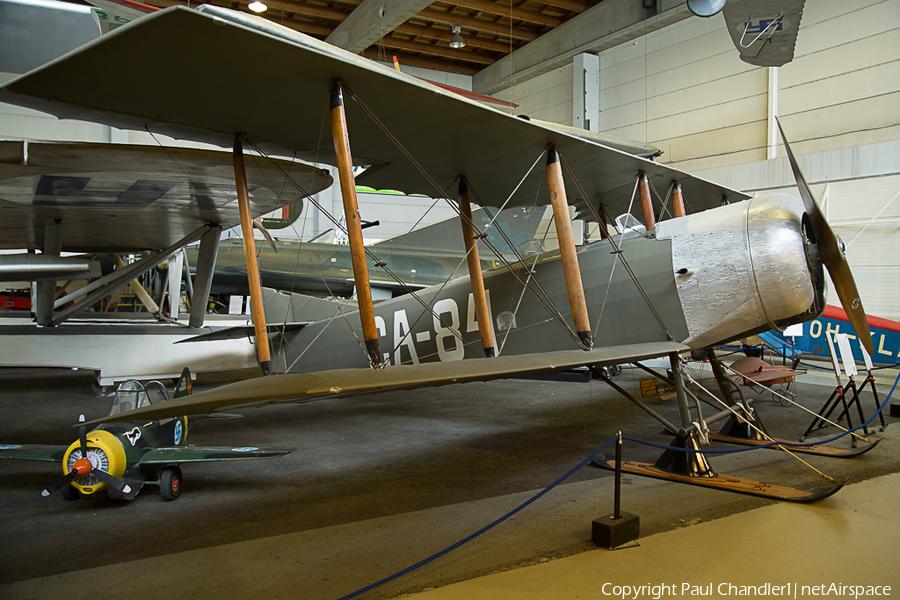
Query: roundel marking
x: 179, y: 430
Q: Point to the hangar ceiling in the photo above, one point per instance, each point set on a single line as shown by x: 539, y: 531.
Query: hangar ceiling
x: 418, y: 32
x: 491, y: 29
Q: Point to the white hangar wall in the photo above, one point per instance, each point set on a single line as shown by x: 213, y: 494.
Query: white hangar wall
x: 684, y: 89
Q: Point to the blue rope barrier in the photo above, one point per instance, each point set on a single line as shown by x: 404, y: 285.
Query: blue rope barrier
x: 577, y: 467
x: 481, y: 531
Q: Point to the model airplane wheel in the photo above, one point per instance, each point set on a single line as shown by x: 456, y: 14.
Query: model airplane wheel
x: 784, y: 397
x: 170, y: 483
x: 69, y: 493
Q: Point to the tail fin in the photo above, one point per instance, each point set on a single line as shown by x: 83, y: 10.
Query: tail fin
x: 289, y: 214
x: 520, y: 224
x: 183, y: 387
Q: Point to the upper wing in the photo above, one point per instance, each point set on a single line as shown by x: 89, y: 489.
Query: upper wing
x: 305, y: 387
x: 33, y: 452
x: 278, y: 95
x: 116, y: 197
x: 161, y: 456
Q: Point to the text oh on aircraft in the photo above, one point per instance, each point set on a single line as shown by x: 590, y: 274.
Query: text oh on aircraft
x: 810, y: 337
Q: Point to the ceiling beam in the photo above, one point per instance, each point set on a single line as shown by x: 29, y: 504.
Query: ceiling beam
x: 435, y: 50
x: 516, y: 33
x: 302, y: 8
x: 425, y: 63
x: 494, y: 8
x: 608, y: 24
x: 446, y: 35
x: 573, y: 5
x: 298, y: 8
x: 371, y: 20
x: 307, y: 28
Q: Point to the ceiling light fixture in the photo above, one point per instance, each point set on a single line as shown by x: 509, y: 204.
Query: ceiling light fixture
x: 257, y: 6
x: 706, y: 8
x: 457, y: 40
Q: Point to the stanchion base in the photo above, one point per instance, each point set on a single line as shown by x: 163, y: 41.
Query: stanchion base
x: 610, y: 533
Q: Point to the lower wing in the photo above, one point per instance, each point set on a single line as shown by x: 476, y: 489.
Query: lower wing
x: 33, y: 452
x: 339, y: 383
x: 164, y: 456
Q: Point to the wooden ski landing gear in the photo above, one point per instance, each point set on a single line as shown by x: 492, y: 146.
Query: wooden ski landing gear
x: 737, y: 433
x: 684, y: 462
x: 727, y: 483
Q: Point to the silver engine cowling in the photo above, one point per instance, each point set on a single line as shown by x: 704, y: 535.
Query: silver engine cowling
x: 744, y: 268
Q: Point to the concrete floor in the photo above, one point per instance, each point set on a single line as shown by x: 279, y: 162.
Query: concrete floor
x: 381, y: 482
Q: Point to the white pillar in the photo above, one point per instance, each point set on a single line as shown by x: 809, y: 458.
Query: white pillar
x: 772, y: 137
x: 586, y: 92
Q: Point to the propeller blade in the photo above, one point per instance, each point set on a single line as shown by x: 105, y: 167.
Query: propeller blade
x: 59, y: 483
x: 113, y: 482
x: 831, y: 252
x: 82, y: 436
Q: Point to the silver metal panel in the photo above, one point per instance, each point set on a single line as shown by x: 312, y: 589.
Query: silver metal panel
x: 746, y: 267
x: 34, y: 267
x: 115, y: 197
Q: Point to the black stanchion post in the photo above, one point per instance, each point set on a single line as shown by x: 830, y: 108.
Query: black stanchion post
x: 617, y: 510
x: 619, y: 528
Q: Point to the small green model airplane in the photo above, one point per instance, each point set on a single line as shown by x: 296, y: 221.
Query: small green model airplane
x: 121, y: 458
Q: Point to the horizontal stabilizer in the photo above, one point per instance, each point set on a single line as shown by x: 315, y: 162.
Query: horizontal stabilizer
x: 338, y: 383
x: 165, y: 456
x: 242, y: 331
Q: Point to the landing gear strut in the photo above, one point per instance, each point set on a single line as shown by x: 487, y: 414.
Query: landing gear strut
x: 684, y: 461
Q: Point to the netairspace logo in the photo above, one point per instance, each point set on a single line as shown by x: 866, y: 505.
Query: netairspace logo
x: 787, y: 590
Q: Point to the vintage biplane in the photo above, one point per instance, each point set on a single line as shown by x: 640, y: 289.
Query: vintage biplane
x: 119, y: 459
x: 657, y: 287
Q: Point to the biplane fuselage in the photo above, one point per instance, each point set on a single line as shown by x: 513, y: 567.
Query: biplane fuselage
x: 737, y: 264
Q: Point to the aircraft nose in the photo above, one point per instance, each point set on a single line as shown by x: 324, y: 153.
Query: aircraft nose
x: 82, y: 467
x: 785, y: 261
x: 742, y: 268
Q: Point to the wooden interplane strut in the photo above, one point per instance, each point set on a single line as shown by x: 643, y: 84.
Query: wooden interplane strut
x: 256, y: 301
x: 354, y: 225
x: 677, y: 200
x: 482, y: 313
x: 572, y: 273
x: 646, y: 202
